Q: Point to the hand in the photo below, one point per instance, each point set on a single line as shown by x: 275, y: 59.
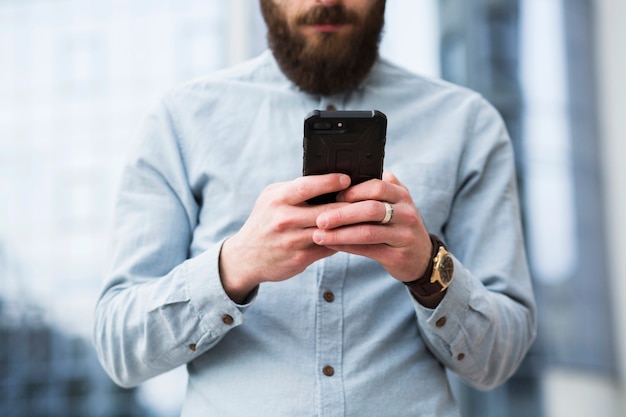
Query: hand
x: 402, y: 246
x: 276, y: 241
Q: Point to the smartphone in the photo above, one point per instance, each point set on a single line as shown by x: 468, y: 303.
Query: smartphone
x: 344, y: 141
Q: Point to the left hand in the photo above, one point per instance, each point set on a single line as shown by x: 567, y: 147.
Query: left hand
x: 401, y: 246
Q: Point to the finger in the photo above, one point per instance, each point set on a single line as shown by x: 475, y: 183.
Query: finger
x: 359, y: 212
x: 372, y: 190
x: 360, y: 234
x: 380, y: 253
x: 396, y: 262
x: 304, y: 188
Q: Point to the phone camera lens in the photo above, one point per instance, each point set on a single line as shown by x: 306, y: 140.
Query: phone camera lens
x: 322, y: 125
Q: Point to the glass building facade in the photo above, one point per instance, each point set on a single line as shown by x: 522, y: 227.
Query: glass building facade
x: 75, y: 78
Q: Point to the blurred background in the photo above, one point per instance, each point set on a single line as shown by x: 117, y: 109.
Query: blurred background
x: 77, y: 75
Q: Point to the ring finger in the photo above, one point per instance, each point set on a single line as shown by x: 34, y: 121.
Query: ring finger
x: 370, y: 211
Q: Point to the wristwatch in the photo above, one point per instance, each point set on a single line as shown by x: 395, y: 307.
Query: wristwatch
x: 439, y: 272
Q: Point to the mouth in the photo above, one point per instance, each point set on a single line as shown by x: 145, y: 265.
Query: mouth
x: 328, y: 27
x: 328, y: 19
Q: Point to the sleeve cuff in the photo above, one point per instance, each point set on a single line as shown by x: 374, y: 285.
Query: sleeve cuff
x: 453, y: 306
x: 443, y: 327
x: 217, y: 313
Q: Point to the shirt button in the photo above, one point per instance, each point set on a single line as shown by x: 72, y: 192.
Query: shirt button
x: 328, y: 370
x: 331, y: 107
x: 329, y: 296
x: 228, y: 319
x: 192, y: 347
x: 461, y: 356
x: 441, y: 322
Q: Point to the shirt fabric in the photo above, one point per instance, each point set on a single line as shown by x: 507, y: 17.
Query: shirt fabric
x: 343, y: 338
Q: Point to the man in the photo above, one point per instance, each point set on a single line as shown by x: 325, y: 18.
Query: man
x: 281, y: 308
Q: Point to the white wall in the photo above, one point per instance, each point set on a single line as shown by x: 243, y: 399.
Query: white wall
x: 574, y: 393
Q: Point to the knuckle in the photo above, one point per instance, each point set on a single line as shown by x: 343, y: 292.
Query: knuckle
x: 300, y: 258
x: 269, y: 188
x: 381, y: 187
x: 272, y: 189
x: 301, y: 187
x: 282, y: 224
x: 288, y: 243
x: 394, y: 258
x: 285, y: 245
x: 367, y: 233
x: 372, y: 209
x: 411, y: 217
x: 337, y: 217
x: 404, y: 194
x: 412, y: 222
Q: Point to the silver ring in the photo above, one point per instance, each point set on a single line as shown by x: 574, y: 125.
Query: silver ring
x: 388, y: 213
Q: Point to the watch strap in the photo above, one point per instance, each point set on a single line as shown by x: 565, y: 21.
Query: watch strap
x: 422, y: 285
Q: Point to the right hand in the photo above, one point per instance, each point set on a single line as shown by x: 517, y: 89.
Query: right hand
x: 276, y: 241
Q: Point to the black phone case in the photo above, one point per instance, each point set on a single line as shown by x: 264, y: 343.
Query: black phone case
x: 347, y: 142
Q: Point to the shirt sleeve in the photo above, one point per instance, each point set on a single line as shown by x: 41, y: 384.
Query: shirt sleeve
x: 486, y: 323
x: 159, y: 308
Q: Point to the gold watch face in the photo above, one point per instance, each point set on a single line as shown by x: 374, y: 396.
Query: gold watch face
x: 443, y: 269
x: 446, y: 269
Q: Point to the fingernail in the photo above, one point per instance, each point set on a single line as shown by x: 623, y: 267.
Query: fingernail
x: 318, y: 237
x: 344, y: 180
x: 322, y: 221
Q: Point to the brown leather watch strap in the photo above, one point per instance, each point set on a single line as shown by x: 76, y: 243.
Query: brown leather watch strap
x: 422, y: 285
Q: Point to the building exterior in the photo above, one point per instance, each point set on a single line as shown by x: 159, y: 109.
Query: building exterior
x: 75, y: 78
x: 45, y: 372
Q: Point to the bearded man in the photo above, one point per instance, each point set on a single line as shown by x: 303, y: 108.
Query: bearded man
x: 281, y: 308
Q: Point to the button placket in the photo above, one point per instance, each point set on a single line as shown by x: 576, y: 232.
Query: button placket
x: 329, y: 344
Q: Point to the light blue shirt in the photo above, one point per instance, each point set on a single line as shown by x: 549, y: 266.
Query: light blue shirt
x: 203, y: 156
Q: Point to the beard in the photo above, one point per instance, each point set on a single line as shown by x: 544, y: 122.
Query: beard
x: 332, y: 62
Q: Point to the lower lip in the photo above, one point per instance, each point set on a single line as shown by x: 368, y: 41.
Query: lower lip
x: 327, y: 28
